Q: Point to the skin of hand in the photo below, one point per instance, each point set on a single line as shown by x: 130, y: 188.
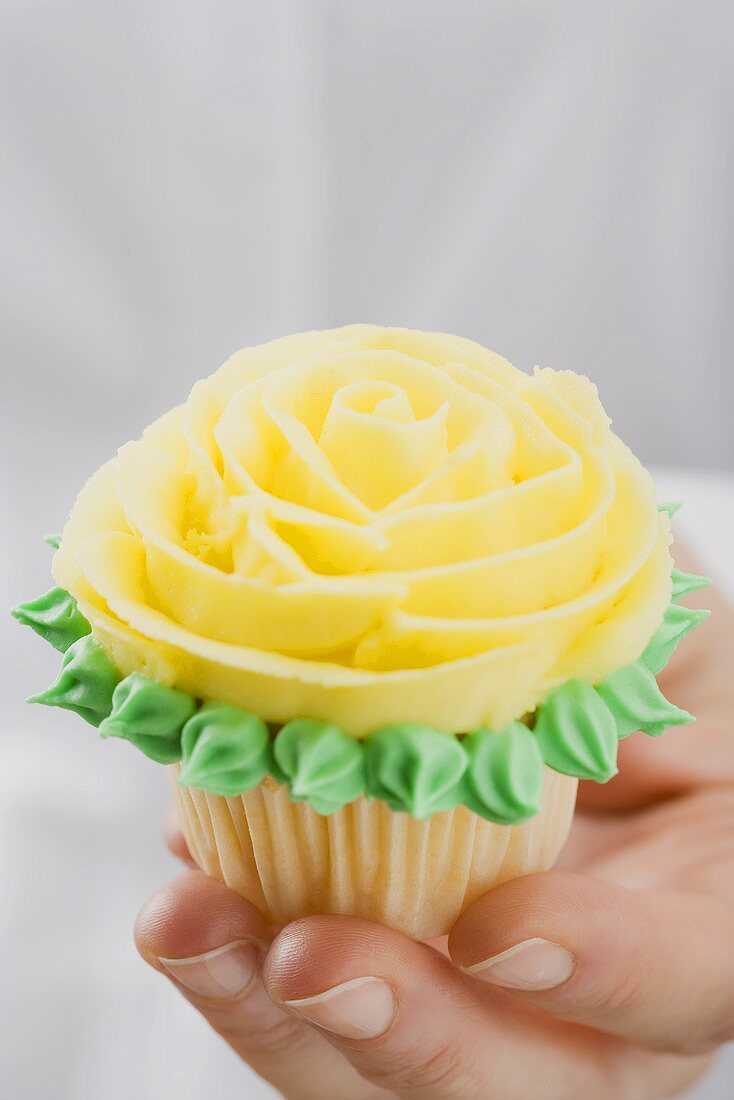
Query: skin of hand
x: 611, y: 976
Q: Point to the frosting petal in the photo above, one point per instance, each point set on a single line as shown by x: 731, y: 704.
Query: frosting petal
x: 55, y: 616
x: 504, y: 779
x: 370, y: 525
x: 637, y: 703
x: 577, y: 733
x: 321, y: 763
x: 414, y: 769
x: 677, y: 623
x: 225, y: 750
x: 150, y: 716
x: 85, y: 683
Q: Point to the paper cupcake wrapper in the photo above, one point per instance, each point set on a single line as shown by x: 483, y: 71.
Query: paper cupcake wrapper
x: 366, y: 860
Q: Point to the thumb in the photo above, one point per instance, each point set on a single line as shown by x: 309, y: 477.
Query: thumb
x: 653, y: 968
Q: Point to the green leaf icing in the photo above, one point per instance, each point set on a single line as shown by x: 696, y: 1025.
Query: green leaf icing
x: 674, y: 627
x: 414, y: 769
x: 322, y: 764
x: 671, y: 507
x: 54, y: 616
x: 225, y: 750
x: 411, y: 767
x: 504, y: 779
x: 637, y: 703
x: 85, y: 683
x: 685, y: 583
x: 150, y: 716
x: 576, y: 732
x: 53, y: 540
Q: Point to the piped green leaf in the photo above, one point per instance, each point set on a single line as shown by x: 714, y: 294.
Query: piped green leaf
x: 685, y: 583
x: 85, y: 683
x: 504, y: 779
x: 414, y: 769
x: 576, y: 732
x: 321, y: 763
x: 149, y: 715
x: 677, y: 623
x: 55, y: 617
x: 637, y: 703
x: 53, y: 541
x: 224, y: 750
x: 671, y: 507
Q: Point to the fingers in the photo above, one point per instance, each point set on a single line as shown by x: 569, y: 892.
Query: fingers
x: 404, y: 1018
x: 411, y: 1024
x: 655, y: 968
x: 211, y: 943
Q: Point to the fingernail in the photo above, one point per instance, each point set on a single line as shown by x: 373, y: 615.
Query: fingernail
x: 360, y: 1009
x: 532, y: 964
x: 219, y: 974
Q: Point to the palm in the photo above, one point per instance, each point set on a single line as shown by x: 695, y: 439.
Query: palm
x: 683, y: 844
x: 664, y: 823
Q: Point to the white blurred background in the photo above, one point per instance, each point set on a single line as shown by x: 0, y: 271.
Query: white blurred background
x: 554, y: 179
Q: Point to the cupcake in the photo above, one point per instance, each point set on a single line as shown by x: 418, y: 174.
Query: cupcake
x: 378, y: 600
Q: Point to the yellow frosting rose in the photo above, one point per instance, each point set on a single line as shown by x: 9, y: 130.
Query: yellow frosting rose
x: 369, y: 525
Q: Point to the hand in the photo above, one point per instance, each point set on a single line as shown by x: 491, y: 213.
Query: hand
x: 611, y: 977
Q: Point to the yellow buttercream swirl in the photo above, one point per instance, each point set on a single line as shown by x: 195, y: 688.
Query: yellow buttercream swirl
x: 367, y: 525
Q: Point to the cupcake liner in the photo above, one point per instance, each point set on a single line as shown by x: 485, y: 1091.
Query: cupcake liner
x: 366, y: 860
